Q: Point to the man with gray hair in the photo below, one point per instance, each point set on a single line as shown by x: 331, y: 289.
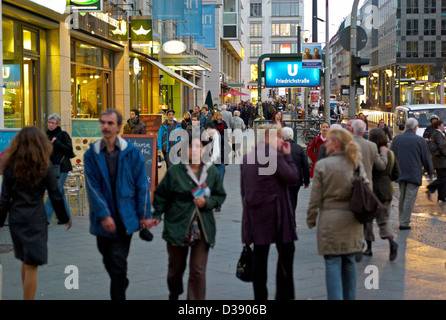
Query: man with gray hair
x: 414, y: 159
x: 371, y: 158
x: 227, y: 115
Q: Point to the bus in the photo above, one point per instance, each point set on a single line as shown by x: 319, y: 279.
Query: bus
x: 421, y: 112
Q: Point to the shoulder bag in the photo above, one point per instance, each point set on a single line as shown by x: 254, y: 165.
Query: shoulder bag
x: 364, y: 203
x: 56, y: 168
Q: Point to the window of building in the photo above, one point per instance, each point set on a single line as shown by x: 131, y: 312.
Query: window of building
x: 284, y: 48
x: 429, y: 49
x: 430, y: 6
x: 256, y: 29
x: 256, y: 49
x: 90, y: 80
x: 141, y: 86
x: 443, y: 27
x: 412, y: 27
x: 255, y: 9
x: 443, y: 6
x: 24, y: 72
x: 412, y: 6
x: 429, y: 27
x: 285, y: 8
x: 412, y: 49
x: 230, y: 19
x: 284, y: 29
x: 254, y: 72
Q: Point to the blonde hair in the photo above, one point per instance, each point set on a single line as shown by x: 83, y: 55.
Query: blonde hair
x: 351, y: 148
x: 216, y: 115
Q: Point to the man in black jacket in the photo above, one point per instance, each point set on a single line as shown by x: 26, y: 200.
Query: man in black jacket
x: 386, y: 129
x: 133, y: 125
x: 430, y: 129
x: 301, y: 160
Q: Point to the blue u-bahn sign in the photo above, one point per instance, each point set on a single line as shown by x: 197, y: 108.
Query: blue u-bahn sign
x: 290, y: 74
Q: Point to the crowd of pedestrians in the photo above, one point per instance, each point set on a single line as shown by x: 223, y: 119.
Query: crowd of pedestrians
x: 191, y: 192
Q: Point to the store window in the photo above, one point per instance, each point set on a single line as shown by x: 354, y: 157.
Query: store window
x: 91, y: 80
x: 22, y: 63
x: 141, y: 86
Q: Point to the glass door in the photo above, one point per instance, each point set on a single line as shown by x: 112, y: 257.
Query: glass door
x: 30, y: 102
x: 107, y: 91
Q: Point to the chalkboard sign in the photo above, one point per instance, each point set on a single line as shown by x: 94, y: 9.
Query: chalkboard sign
x: 152, y: 122
x: 6, y: 136
x: 147, y: 145
x: 85, y: 128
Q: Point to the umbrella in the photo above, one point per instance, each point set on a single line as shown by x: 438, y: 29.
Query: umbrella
x: 234, y: 93
x: 208, y: 100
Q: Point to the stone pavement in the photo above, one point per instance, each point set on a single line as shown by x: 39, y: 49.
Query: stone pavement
x: 418, y: 273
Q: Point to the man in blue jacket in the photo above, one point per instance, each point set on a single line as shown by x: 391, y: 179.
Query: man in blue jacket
x: 414, y: 159
x: 168, y: 136
x: 119, y: 198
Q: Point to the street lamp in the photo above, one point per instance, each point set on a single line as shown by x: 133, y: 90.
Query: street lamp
x: 306, y: 34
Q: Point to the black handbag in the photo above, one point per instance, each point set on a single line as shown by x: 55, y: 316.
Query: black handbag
x: 244, y: 265
x: 364, y: 203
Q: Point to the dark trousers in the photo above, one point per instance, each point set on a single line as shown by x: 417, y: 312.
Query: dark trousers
x: 284, y: 272
x: 114, y: 253
x: 439, y: 184
x: 196, y: 287
x: 166, y: 158
x: 293, y: 191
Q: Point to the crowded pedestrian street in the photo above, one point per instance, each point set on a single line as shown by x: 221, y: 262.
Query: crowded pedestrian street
x: 223, y: 159
x: 418, y: 273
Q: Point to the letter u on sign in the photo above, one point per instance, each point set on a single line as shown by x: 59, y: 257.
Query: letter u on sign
x: 292, y: 73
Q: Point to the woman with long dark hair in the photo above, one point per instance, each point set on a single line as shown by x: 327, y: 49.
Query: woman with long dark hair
x: 27, y: 173
x: 277, y: 119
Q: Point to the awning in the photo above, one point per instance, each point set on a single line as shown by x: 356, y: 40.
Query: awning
x: 173, y: 74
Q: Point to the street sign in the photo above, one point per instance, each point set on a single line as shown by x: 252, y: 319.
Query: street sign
x: 345, y: 36
x: 290, y: 74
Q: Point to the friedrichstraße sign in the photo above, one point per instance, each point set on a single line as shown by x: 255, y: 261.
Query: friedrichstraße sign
x: 290, y: 74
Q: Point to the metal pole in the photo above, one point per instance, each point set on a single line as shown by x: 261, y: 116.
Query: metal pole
x: 441, y: 87
x: 353, y: 52
x: 314, y: 21
x: 299, y: 45
x: 327, y: 65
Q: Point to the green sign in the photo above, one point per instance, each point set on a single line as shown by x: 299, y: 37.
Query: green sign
x: 85, y: 128
x: 141, y: 30
x: 119, y: 32
x: 86, y: 5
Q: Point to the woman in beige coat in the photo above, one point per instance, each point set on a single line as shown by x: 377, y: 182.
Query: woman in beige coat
x: 339, y: 234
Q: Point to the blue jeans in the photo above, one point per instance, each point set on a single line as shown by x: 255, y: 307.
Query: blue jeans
x: 340, y: 276
x: 49, y: 207
x: 222, y: 169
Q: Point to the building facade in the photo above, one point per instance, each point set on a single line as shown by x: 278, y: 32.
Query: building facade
x: 407, y: 60
x: 272, y: 27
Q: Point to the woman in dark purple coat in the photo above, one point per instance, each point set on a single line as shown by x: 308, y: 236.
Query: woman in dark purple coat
x: 267, y: 214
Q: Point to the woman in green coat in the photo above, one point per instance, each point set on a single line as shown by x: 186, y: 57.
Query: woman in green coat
x: 187, y: 196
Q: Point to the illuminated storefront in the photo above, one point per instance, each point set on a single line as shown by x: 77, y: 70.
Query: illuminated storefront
x: 24, y: 72
x: 91, y: 79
